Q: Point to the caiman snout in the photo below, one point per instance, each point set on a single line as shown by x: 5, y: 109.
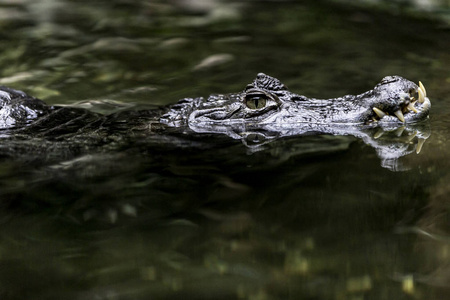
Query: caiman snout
x: 400, y: 100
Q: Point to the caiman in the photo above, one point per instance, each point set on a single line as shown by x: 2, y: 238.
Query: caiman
x: 263, y: 111
x: 268, y: 102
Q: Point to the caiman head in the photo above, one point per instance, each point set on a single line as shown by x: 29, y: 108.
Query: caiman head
x: 267, y: 101
x: 388, y: 117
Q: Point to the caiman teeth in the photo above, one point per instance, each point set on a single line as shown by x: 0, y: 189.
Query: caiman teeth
x: 379, y: 112
x: 400, y: 131
x: 421, y: 95
x: 378, y: 134
x: 399, y: 115
x: 412, y: 108
x: 409, y: 138
x: 420, y: 143
x: 422, y: 87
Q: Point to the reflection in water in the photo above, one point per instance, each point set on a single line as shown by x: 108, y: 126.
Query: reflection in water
x: 390, y: 143
x: 432, y: 243
x: 201, y: 218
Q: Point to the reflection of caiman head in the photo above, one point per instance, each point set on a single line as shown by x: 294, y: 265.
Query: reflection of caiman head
x: 266, y: 110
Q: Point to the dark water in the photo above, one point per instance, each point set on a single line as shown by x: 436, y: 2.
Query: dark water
x: 312, y: 217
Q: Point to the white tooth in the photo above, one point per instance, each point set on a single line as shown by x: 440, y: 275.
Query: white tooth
x: 421, y: 95
x: 412, y: 108
x: 399, y: 131
x: 409, y: 138
x: 420, y: 143
x: 422, y: 87
x: 379, y: 112
x: 399, y: 115
x: 378, y: 134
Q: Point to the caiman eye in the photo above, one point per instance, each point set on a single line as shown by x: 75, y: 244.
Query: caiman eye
x: 255, y: 101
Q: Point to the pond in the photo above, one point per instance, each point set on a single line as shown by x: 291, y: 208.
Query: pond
x: 207, y: 216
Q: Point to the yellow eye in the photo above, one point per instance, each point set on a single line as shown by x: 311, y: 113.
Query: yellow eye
x: 255, y: 101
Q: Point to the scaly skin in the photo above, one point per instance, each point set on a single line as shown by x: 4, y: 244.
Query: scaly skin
x: 393, y: 101
x: 384, y: 118
x: 265, y: 102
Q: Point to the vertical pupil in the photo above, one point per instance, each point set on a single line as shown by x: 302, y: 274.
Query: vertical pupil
x: 256, y: 102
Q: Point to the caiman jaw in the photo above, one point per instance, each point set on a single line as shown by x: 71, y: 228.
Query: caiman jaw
x: 416, y: 102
